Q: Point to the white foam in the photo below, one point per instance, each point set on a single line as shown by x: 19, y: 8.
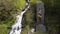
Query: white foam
x: 16, y: 28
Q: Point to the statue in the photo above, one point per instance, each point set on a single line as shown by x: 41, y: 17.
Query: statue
x: 39, y: 14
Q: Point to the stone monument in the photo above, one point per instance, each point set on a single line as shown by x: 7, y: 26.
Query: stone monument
x: 40, y: 17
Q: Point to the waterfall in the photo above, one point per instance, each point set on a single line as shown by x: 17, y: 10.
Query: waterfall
x: 16, y: 28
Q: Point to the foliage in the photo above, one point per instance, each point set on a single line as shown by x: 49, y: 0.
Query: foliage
x: 9, y: 9
x: 25, y: 29
x: 52, y: 13
x: 8, y: 12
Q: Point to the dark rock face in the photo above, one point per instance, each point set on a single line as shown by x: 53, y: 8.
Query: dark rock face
x: 40, y: 17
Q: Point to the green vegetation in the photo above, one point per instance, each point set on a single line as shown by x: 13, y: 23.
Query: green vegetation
x: 9, y: 9
x: 25, y: 29
x: 52, y: 13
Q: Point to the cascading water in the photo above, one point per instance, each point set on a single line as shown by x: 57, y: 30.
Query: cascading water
x: 16, y: 28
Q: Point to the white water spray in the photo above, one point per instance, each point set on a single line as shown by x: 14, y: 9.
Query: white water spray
x: 16, y: 28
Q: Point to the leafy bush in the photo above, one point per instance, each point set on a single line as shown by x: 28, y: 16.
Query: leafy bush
x: 9, y: 9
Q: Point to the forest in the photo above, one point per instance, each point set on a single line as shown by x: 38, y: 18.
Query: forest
x: 9, y: 9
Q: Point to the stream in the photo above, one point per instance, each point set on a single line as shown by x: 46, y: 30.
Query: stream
x: 17, y: 26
